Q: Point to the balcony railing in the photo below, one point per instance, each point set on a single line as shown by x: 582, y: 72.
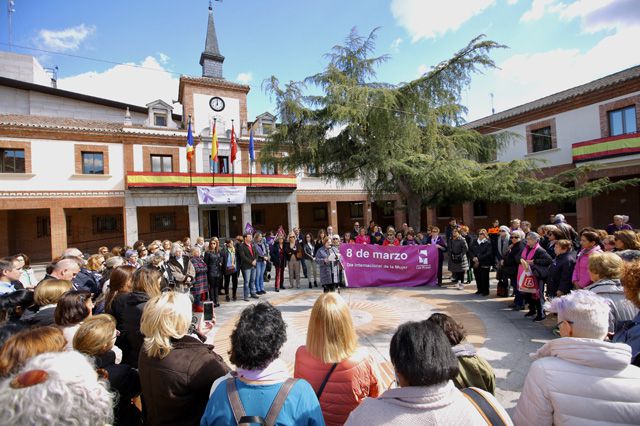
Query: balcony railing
x: 158, y: 180
x: 598, y: 149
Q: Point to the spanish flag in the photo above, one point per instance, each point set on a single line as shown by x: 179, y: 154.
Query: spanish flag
x: 189, y: 142
x: 214, y: 144
x: 234, y: 144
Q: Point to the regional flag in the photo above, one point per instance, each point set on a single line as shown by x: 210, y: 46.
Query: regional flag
x: 189, y: 142
x: 252, y: 154
x: 234, y: 144
x: 214, y: 144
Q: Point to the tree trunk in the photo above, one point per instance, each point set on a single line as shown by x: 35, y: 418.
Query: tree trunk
x: 414, y: 211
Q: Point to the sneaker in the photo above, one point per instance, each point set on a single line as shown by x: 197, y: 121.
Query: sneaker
x: 460, y: 286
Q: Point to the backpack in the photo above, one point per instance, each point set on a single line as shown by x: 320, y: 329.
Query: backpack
x: 276, y: 406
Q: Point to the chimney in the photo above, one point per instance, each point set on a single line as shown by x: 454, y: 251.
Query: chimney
x: 127, y: 118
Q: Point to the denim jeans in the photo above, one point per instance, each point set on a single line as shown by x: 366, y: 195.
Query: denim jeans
x: 249, y: 281
x: 260, y: 267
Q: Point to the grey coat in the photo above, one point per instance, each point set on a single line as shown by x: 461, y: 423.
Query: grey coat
x: 458, y: 246
x: 328, y: 269
x: 621, y: 308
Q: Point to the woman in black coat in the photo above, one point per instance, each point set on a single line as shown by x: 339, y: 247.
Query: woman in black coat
x: 561, y: 270
x: 539, y: 265
x: 230, y: 268
x: 482, y: 261
x: 279, y: 260
x: 213, y: 260
x: 510, y: 265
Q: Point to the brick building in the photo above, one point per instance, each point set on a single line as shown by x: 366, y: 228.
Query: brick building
x: 593, y: 124
x: 83, y: 171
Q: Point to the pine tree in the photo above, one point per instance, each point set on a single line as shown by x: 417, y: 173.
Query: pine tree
x: 407, y: 138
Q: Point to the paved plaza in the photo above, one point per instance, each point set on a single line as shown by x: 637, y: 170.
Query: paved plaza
x: 504, y: 337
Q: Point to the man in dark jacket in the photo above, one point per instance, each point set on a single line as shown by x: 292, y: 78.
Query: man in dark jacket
x: 248, y: 260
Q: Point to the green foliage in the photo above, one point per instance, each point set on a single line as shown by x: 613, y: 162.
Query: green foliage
x: 408, y: 137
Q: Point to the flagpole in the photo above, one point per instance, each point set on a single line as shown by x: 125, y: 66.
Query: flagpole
x: 233, y: 163
x: 213, y: 161
x: 189, y: 158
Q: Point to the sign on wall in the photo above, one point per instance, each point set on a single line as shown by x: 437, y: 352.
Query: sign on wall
x: 215, y: 195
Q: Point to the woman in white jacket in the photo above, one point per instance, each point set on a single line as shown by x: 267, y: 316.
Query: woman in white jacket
x: 580, y: 378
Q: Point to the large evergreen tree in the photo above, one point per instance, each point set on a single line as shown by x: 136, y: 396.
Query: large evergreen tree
x: 408, y: 137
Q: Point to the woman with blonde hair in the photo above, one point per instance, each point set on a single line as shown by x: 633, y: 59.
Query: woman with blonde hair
x: 341, y: 373
x: 176, y: 369
x: 46, y: 296
x: 96, y: 337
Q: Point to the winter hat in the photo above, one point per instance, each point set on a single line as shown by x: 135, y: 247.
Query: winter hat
x: 505, y: 229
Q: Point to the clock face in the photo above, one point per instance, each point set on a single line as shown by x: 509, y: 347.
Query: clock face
x: 216, y: 104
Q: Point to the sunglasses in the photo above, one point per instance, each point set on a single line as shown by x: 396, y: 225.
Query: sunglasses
x: 515, y: 238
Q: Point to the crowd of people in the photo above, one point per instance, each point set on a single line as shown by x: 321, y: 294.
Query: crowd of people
x: 111, y: 337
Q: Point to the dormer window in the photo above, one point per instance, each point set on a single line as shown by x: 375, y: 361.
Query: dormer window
x: 160, y: 120
x: 160, y: 115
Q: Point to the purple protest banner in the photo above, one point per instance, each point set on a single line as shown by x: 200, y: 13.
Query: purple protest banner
x: 372, y: 265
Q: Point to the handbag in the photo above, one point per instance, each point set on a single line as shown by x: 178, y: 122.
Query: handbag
x: 528, y: 283
x: 326, y: 379
x: 485, y: 407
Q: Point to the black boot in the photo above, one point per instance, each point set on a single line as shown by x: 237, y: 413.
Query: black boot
x: 310, y: 286
x: 315, y: 283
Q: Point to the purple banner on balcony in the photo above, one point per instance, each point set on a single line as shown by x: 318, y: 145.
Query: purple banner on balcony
x: 371, y: 265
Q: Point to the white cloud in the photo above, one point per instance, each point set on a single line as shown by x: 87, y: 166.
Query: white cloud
x: 594, y: 15
x: 526, y: 77
x: 395, y: 44
x: 67, y: 39
x: 539, y: 8
x: 138, y: 85
x: 430, y: 19
x: 164, y: 58
x: 422, y: 69
x: 244, y: 77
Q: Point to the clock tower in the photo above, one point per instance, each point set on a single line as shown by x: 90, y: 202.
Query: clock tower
x: 211, y: 95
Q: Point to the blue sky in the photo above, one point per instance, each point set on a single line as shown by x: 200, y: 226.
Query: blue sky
x: 554, y: 44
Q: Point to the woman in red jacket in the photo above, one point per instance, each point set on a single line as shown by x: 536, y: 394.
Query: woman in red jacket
x: 341, y: 373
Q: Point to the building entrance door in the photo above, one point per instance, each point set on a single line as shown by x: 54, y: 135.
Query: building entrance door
x: 214, y: 223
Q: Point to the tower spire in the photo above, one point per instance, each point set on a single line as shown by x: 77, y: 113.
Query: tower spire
x: 211, y: 60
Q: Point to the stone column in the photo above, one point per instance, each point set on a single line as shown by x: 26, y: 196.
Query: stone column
x: 467, y: 215
x: 333, y: 215
x: 58, y: 231
x: 584, y: 209
x: 399, y: 214
x: 194, y: 223
x: 292, y: 214
x: 130, y: 225
x: 368, y: 215
x: 246, y: 214
x: 432, y: 218
x: 516, y: 211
